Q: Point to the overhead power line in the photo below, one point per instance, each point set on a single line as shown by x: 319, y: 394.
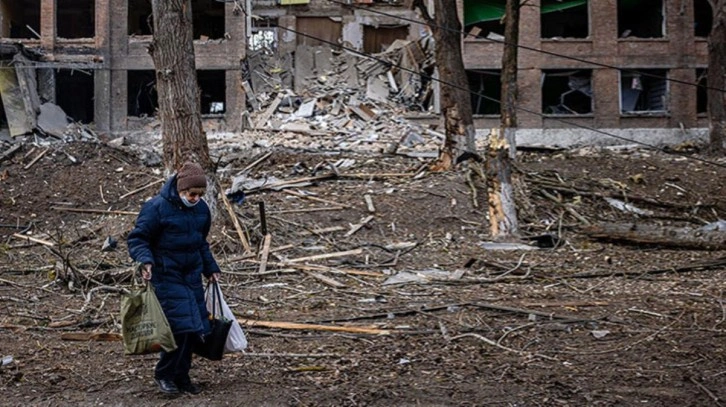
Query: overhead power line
x: 525, y: 47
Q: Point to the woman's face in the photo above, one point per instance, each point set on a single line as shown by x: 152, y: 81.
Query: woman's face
x: 192, y: 194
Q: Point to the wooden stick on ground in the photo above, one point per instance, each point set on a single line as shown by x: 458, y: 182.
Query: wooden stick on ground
x: 314, y: 327
x: 326, y: 256
x: 265, y: 253
x: 33, y: 239
x: 235, y: 221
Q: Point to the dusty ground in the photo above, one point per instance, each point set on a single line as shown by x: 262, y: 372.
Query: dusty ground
x: 586, y: 323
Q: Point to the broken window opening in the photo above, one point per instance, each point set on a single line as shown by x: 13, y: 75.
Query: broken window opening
x: 264, y: 35
x: 20, y: 19
x: 644, y: 91
x: 378, y: 39
x: 140, y: 19
x: 74, y: 93
x: 486, y: 91
x: 702, y: 18
x: 212, y: 91
x: 76, y: 19
x: 564, y: 19
x: 641, y: 18
x: 143, y: 100
x: 208, y: 19
x: 566, y: 92
x: 702, y: 91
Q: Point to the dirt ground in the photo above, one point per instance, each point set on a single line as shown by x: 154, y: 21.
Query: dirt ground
x: 586, y: 323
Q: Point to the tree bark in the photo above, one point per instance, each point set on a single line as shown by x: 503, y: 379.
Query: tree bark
x: 455, y: 98
x: 717, y: 78
x: 172, y: 50
x: 501, y: 148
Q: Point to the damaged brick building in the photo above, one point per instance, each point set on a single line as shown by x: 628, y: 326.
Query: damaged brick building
x: 624, y: 66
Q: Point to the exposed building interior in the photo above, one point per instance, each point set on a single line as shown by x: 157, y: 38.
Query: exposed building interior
x: 644, y: 90
x: 566, y: 92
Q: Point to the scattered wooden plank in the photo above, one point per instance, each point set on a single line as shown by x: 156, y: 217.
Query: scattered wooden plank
x: 265, y: 116
x: 314, y: 327
x: 369, y: 203
x: 91, y: 336
x: 326, y: 256
x: 33, y: 239
x: 314, y: 198
x: 326, y: 280
x: 38, y: 157
x: 9, y: 152
x: 265, y: 253
x: 305, y: 210
x: 355, y: 228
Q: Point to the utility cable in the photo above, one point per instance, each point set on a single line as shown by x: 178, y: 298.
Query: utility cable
x: 454, y: 86
x: 525, y: 47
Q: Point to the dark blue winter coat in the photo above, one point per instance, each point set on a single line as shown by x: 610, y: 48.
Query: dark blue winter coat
x: 173, y: 238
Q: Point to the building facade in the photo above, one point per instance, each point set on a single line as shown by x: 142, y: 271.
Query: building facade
x: 625, y: 68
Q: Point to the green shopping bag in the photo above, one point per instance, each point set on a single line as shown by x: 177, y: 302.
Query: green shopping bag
x: 143, y: 325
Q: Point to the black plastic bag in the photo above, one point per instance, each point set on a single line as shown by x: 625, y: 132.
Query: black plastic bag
x: 211, y: 346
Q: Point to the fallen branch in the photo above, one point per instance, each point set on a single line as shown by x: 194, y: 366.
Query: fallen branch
x: 91, y: 336
x: 326, y: 256
x: 101, y: 211
x: 678, y: 237
x: 33, y: 239
x: 235, y: 221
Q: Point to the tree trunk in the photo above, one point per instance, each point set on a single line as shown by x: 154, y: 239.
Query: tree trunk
x: 717, y: 78
x: 501, y: 149
x: 455, y: 98
x: 172, y: 50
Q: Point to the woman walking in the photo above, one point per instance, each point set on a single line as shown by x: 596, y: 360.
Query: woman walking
x: 170, y: 240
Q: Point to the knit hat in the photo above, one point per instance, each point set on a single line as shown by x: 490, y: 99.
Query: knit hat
x: 190, y: 175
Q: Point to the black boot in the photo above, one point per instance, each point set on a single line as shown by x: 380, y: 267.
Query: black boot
x: 167, y: 386
x: 189, y: 387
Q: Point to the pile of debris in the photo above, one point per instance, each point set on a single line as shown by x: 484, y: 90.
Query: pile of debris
x: 342, y: 101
